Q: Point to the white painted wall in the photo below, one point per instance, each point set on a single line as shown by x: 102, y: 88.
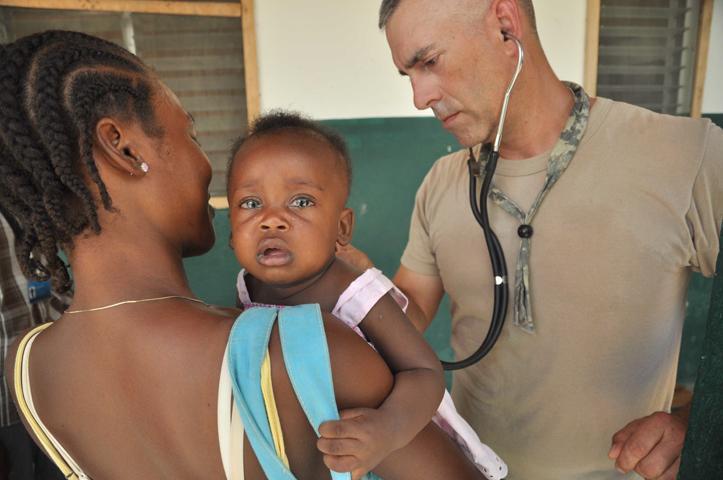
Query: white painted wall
x: 327, y: 58
x: 713, y: 90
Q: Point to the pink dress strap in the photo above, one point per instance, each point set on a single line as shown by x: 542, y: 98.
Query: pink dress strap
x: 363, y: 293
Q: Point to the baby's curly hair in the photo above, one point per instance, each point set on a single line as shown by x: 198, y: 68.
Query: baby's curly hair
x: 54, y: 88
x: 283, y: 120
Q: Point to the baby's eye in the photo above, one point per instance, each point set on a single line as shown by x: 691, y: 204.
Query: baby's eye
x: 302, y: 202
x: 250, y: 203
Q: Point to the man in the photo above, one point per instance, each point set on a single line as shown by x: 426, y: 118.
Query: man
x: 23, y: 304
x: 591, y: 342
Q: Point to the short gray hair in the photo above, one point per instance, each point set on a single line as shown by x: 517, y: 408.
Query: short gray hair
x: 385, y: 11
x: 389, y: 6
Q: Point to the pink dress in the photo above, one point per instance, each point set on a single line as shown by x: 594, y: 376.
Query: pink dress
x: 351, y: 308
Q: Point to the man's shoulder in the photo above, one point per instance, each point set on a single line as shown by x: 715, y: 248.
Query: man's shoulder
x: 455, y: 159
x: 448, y: 169
x: 637, y: 120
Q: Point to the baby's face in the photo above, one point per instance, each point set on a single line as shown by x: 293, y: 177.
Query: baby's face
x: 286, y: 197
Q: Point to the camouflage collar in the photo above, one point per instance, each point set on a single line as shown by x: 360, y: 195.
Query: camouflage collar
x: 560, y: 157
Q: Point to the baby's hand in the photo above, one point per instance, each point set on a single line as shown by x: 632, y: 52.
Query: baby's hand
x: 358, y: 442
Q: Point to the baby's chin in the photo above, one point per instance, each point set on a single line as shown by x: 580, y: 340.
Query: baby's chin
x: 287, y: 276
x: 277, y: 276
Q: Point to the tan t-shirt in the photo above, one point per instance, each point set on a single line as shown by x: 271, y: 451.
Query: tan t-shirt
x: 614, y: 243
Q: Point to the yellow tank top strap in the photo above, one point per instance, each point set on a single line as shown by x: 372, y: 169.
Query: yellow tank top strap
x: 267, y: 392
x: 25, y: 411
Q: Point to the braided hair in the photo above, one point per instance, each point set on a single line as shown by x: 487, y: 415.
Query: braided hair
x: 54, y: 88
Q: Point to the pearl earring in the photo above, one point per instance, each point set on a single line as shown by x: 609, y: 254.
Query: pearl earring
x: 145, y: 167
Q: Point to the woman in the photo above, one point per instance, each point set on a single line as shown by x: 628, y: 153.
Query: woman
x: 99, y: 157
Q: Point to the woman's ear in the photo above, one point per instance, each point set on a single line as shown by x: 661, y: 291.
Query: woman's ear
x: 113, y: 146
x: 346, y: 227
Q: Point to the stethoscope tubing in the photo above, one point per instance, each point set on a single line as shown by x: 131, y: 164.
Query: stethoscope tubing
x: 481, y: 215
x: 497, y: 261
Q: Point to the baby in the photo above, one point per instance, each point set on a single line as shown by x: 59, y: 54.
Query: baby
x: 288, y: 183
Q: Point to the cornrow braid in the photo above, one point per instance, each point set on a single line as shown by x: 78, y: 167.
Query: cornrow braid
x: 20, y: 199
x: 17, y: 133
x: 46, y: 92
x: 90, y: 92
x: 54, y: 87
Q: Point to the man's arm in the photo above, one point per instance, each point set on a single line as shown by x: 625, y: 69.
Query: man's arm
x: 424, y: 292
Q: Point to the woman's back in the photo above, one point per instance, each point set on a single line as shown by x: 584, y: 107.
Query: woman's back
x: 134, y: 396
x: 137, y: 398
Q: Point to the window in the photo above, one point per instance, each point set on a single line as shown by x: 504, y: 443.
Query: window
x: 202, y: 50
x: 649, y: 52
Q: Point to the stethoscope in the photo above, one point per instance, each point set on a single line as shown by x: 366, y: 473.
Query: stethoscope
x: 479, y: 210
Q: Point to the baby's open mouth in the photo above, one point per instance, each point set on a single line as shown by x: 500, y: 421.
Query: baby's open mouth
x: 274, y: 257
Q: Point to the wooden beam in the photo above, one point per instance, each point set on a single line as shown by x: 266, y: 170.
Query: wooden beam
x: 251, y: 66
x: 701, y: 57
x: 592, y: 44
x: 206, y: 9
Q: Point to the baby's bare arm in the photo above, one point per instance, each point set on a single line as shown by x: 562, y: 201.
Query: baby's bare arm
x: 363, y: 379
x: 418, y: 374
x: 363, y: 436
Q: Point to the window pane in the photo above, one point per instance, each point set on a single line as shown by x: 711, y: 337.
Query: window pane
x: 199, y: 58
x: 647, y: 52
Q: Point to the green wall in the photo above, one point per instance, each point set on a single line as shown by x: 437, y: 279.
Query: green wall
x: 699, y: 294
x: 391, y: 157
x: 703, y: 449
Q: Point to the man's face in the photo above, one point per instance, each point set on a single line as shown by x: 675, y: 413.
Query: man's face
x: 448, y: 50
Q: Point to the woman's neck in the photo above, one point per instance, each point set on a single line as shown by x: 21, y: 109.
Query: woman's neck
x: 115, y: 269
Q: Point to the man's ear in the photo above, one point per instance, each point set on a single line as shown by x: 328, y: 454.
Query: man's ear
x: 114, y: 147
x: 508, y: 18
x: 346, y: 227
